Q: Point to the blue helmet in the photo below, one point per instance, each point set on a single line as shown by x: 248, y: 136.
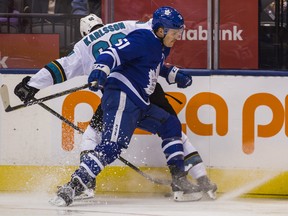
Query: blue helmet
x: 168, y: 18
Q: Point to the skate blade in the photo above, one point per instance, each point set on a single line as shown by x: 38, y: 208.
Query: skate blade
x: 58, y: 201
x: 211, y: 194
x: 179, y: 196
x: 88, y: 194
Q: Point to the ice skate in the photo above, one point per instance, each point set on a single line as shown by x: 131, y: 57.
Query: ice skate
x: 66, y: 193
x: 183, y: 190
x: 209, y: 188
x: 87, y: 193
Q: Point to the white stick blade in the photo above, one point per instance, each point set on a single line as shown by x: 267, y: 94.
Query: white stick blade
x: 5, y: 96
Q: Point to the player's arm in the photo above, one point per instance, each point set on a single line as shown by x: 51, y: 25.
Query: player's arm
x: 55, y: 72
x: 131, y: 47
x: 29, y: 86
x: 45, y: 77
x: 174, y: 75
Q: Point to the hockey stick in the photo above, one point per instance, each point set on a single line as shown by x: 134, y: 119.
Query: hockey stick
x: 154, y: 180
x: 6, y: 102
x: 62, y: 118
x: 8, y: 108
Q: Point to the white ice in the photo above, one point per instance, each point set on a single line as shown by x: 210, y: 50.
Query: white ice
x: 20, y: 204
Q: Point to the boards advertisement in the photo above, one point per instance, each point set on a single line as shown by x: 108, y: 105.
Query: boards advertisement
x: 238, y: 35
x: 28, y: 50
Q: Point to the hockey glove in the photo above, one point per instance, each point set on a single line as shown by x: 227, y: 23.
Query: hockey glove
x: 178, y: 76
x: 24, y: 91
x: 99, y: 74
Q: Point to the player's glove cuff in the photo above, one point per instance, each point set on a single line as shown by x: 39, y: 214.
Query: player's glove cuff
x: 99, y: 74
x: 172, y: 75
x: 101, y: 67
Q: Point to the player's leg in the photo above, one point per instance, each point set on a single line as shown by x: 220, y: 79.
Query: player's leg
x: 120, y: 120
x: 93, y: 133
x: 91, y: 137
x: 193, y: 161
x: 157, y: 120
x: 195, y: 166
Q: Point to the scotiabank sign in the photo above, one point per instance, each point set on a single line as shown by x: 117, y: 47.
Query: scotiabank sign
x: 238, y: 30
x: 28, y: 50
x: 201, y: 34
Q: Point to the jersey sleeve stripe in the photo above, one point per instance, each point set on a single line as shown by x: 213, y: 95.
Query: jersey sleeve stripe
x: 56, y: 71
x: 118, y: 61
x: 113, y: 57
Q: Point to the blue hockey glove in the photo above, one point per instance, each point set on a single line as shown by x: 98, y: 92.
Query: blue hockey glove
x: 24, y: 91
x: 178, y: 76
x: 183, y: 80
x: 99, y: 74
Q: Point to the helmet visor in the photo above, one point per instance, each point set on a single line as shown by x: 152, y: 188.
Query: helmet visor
x: 176, y: 33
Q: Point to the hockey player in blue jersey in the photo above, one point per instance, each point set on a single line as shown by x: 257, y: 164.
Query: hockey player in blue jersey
x: 196, y: 164
x: 193, y: 161
x: 133, y: 66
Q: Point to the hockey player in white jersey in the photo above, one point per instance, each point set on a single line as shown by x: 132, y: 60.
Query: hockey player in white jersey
x: 69, y: 67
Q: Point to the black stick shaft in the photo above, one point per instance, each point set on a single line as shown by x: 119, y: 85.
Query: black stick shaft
x: 132, y: 166
x: 41, y: 100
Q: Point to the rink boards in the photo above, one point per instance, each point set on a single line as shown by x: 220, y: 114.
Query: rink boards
x: 236, y: 120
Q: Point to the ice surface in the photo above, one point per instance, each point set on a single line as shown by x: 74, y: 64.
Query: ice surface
x: 139, y: 205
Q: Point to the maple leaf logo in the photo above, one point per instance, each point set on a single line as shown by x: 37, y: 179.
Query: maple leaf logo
x: 153, y: 77
x: 167, y: 12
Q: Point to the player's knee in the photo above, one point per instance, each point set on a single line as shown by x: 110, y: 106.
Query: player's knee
x: 108, y: 153
x: 187, y: 145
x: 90, y: 139
x: 170, y: 128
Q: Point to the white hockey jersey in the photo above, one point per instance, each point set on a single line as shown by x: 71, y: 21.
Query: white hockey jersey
x: 80, y: 61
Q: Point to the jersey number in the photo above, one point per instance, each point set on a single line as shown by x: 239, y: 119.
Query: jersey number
x: 115, y: 39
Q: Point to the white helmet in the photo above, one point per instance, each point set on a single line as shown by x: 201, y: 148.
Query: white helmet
x: 88, y: 22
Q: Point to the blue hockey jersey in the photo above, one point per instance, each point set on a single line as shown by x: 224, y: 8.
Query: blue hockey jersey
x: 135, y: 65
